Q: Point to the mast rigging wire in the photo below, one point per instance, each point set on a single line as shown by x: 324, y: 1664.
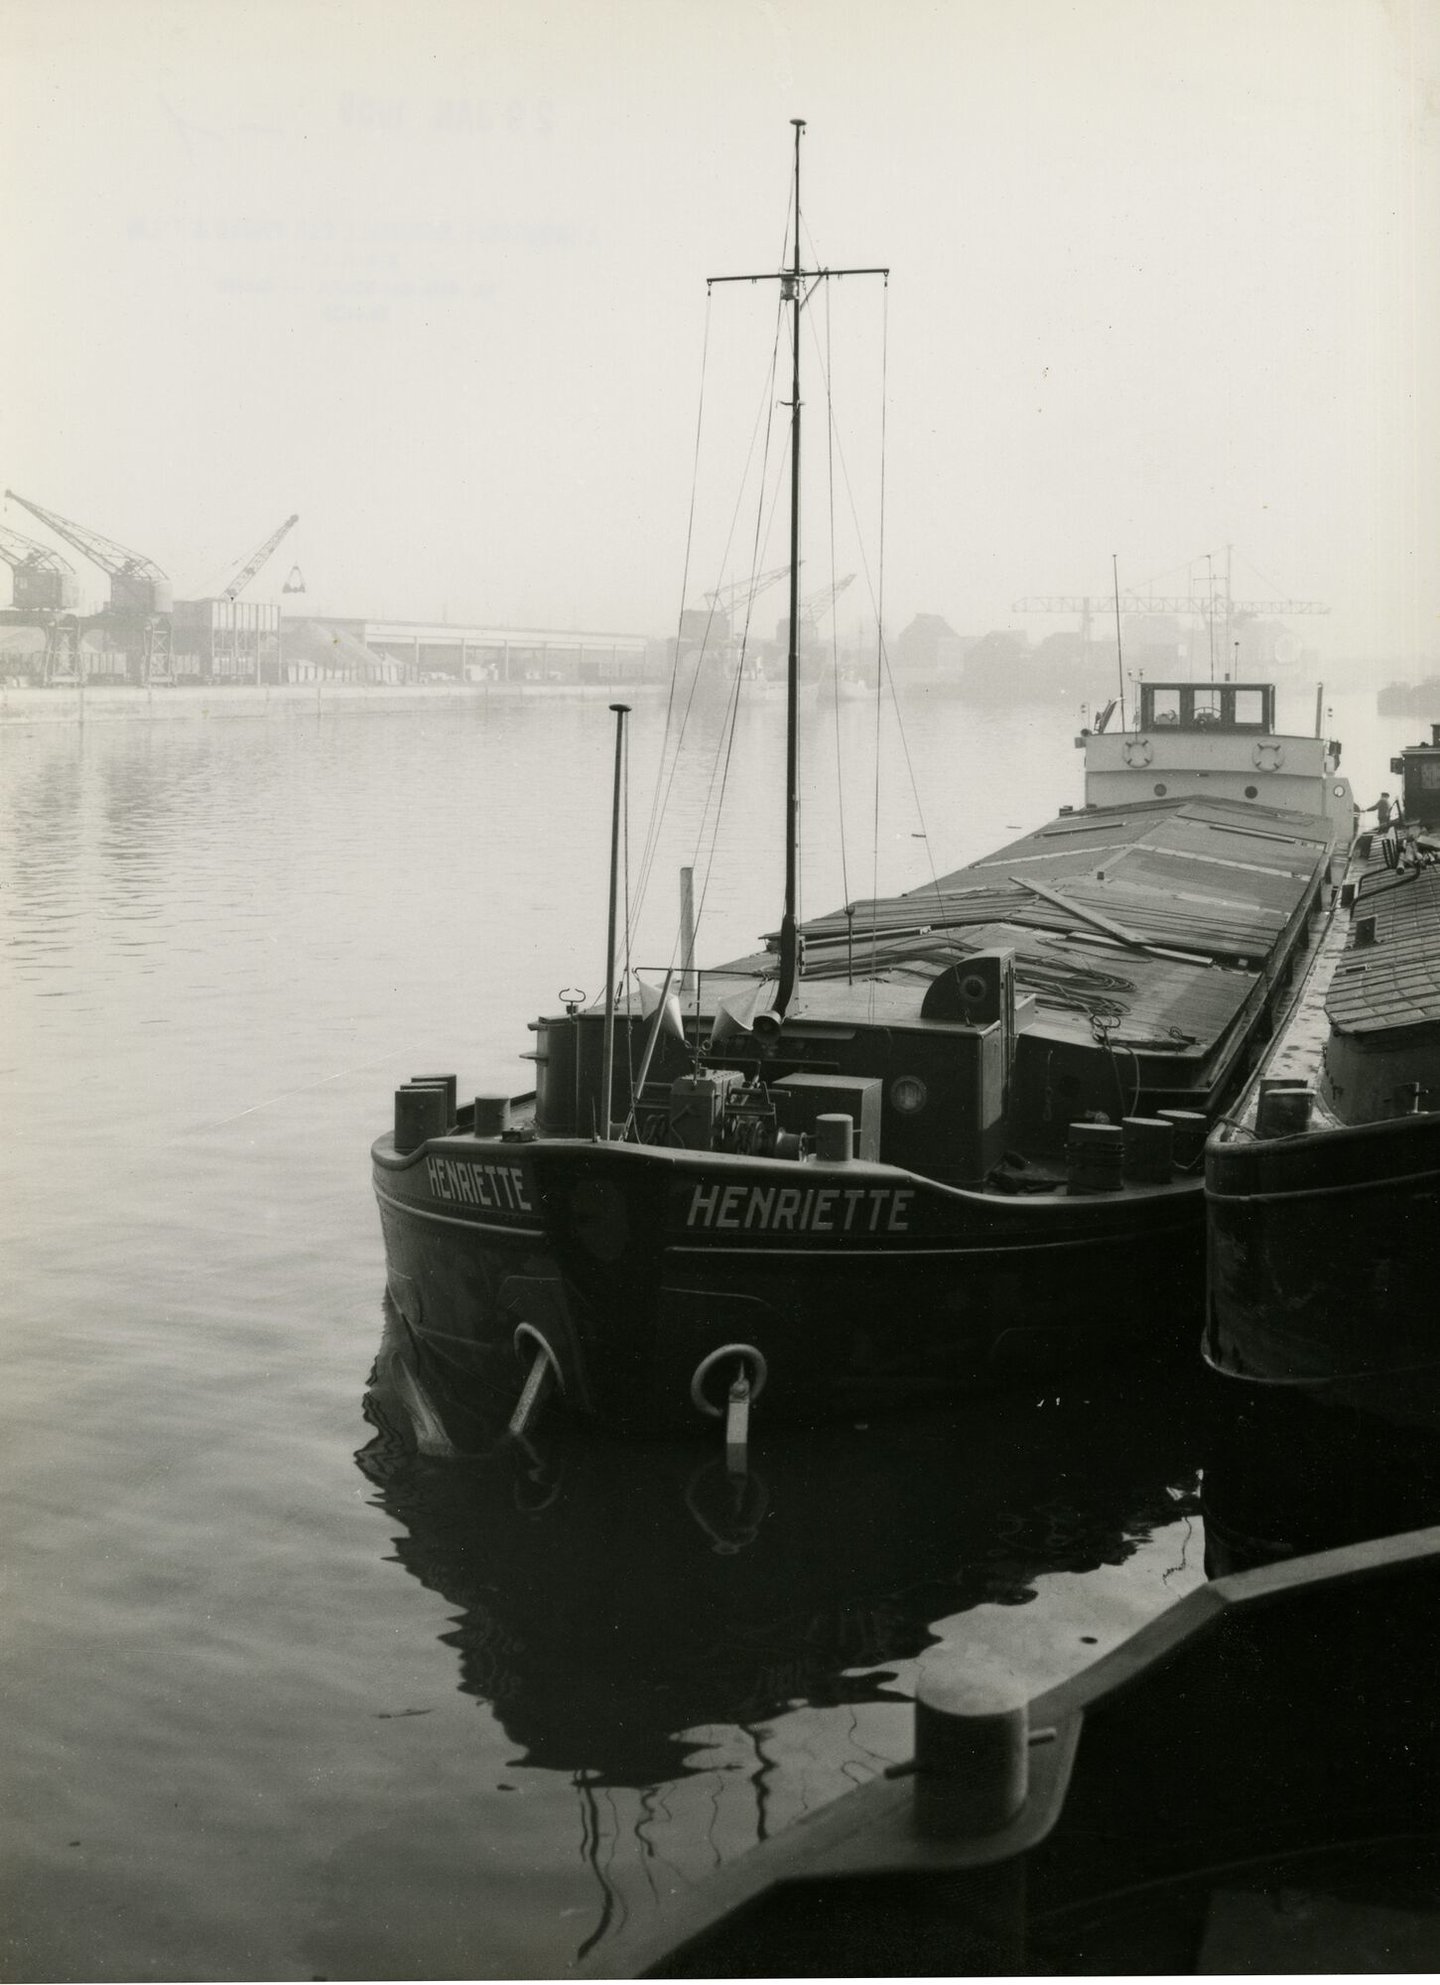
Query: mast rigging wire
x: 684, y: 575
x: 665, y: 778
x: 732, y: 714
x: 883, y: 668
x: 673, y: 739
x: 664, y: 781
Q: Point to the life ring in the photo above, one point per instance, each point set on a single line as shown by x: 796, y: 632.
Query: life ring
x: 526, y: 1333
x: 1268, y: 757
x: 708, y: 1364
x: 1138, y: 751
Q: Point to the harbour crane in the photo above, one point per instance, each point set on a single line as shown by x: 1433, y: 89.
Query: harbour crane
x: 140, y: 594
x: 44, y: 589
x: 1214, y: 605
x: 726, y: 599
x: 814, y: 609
x: 257, y: 559
x: 44, y: 580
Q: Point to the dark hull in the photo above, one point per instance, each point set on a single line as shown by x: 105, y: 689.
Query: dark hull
x: 635, y: 1264
x: 1324, y: 1259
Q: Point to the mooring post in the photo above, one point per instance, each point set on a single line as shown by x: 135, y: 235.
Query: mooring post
x: 972, y: 1758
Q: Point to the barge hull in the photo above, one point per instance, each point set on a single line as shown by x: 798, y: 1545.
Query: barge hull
x: 611, y: 1256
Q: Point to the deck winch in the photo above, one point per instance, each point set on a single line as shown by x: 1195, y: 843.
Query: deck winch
x: 723, y: 1111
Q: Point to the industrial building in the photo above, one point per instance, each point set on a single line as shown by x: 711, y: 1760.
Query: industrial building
x: 346, y: 650
x: 145, y: 636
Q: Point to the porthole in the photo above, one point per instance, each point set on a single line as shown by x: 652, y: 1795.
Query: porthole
x: 1252, y: 792
x: 908, y: 1094
x: 1161, y: 789
x: 1339, y: 792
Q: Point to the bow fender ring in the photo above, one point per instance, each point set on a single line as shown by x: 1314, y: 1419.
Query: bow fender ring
x: 707, y: 1365
x: 526, y: 1335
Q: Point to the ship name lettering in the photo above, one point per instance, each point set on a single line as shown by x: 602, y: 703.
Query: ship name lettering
x: 796, y: 1210
x: 496, y: 1188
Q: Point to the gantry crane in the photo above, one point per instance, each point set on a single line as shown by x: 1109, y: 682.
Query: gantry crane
x: 257, y: 559
x: 140, y: 595
x: 1215, y: 607
x: 44, y: 589
x: 1200, y: 603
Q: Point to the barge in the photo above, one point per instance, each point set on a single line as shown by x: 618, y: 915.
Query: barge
x: 918, y: 1146
x: 967, y: 1148
x: 1324, y: 1188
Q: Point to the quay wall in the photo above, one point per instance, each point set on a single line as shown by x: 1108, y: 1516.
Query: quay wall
x: 196, y: 703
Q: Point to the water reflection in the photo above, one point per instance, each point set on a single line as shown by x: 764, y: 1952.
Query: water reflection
x: 642, y: 1622
x: 617, y: 1605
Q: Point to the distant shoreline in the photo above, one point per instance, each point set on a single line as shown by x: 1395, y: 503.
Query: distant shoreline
x: 196, y: 703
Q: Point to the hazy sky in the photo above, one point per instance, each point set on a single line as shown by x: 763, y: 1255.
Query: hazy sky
x: 1164, y: 277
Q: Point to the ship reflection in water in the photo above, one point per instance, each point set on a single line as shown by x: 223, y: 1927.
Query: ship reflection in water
x: 618, y: 1603
x: 640, y: 1621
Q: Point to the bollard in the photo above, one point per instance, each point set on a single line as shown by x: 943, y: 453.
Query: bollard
x: 420, y: 1113
x: 492, y: 1116
x: 1189, y: 1128
x: 1147, y: 1149
x: 1094, y: 1156
x: 445, y: 1082
x: 1283, y: 1109
x: 834, y: 1138
x: 972, y: 1751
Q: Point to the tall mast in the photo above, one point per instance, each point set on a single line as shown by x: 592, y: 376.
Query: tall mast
x: 789, y: 921
x: 792, y: 282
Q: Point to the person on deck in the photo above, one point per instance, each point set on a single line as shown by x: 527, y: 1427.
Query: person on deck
x: 1382, y: 811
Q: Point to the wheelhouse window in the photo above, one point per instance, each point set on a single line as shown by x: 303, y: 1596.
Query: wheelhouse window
x: 1207, y: 706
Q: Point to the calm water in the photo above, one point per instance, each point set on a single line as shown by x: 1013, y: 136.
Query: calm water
x: 286, y: 1697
